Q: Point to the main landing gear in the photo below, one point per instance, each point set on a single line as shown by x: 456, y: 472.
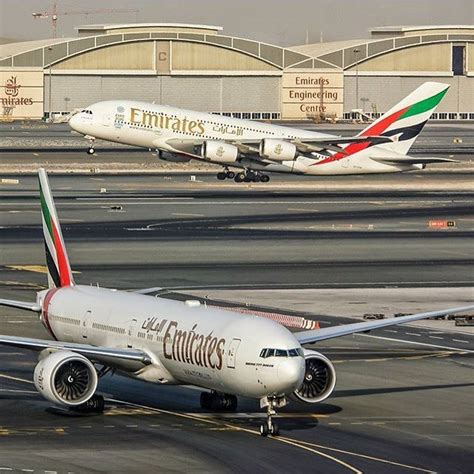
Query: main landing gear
x: 218, y: 401
x: 226, y: 174
x: 251, y: 176
x: 269, y: 427
x: 248, y: 176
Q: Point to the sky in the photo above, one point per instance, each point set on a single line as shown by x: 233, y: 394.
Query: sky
x: 273, y: 21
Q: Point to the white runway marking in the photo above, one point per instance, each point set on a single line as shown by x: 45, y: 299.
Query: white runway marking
x: 418, y: 343
x: 413, y: 334
x: 18, y: 391
x: 182, y: 214
x: 16, y: 379
x: 461, y: 340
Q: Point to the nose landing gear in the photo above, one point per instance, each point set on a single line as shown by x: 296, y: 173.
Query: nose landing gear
x: 269, y: 427
x: 91, y: 149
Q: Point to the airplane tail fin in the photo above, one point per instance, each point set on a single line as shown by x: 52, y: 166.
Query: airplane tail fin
x: 406, y: 120
x: 59, y: 270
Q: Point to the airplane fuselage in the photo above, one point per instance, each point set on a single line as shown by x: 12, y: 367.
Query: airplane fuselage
x: 169, y: 129
x: 187, y: 344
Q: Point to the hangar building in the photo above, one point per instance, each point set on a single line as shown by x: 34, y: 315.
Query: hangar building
x: 197, y: 67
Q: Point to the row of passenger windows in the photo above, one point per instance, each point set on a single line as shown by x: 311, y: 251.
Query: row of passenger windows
x: 141, y: 125
x: 265, y: 353
x: 65, y: 320
x: 106, y: 327
x: 149, y: 336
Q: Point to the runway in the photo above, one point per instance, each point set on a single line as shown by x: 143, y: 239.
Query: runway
x: 166, y: 233
x: 402, y: 399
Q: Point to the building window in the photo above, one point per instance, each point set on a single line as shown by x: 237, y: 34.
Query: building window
x: 443, y: 116
x: 459, y: 60
x: 471, y: 116
x: 463, y: 116
x: 246, y: 115
x: 275, y: 116
x: 256, y: 116
x: 434, y: 116
x: 237, y: 115
x: 453, y: 116
x: 266, y: 116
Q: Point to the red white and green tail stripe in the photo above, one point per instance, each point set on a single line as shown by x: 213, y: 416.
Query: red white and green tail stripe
x: 59, y: 270
x: 405, y: 121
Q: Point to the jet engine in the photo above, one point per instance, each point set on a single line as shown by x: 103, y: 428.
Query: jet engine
x: 319, y: 379
x: 220, y: 152
x: 66, y: 378
x: 277, y: 150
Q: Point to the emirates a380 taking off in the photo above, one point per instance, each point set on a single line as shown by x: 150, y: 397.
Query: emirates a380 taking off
x: 257, y: 148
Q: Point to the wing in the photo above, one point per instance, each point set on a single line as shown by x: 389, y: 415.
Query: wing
x: 126, y: 359
x: 21, y: 305
x: 308, y: 337
x: 303, y: 145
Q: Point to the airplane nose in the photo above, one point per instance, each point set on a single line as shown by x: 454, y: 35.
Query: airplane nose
x: 74, y: 122
x: 291, y: 372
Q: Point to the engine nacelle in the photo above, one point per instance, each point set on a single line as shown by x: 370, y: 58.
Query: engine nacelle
x: 220, y: 152
x: 277, y: 150
x: 66, y: 378
x: 319, y: 379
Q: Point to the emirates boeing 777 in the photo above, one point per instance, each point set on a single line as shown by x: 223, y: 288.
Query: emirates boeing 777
x: 257, y: 148
x: 97, y: 330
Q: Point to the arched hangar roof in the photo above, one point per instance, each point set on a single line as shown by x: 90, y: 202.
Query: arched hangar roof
x: 345, y: 54
x: 46, y: 53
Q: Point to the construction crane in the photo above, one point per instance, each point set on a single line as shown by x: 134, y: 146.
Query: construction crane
x: 53, y: 14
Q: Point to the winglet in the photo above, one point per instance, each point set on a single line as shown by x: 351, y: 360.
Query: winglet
x: 59, y: 270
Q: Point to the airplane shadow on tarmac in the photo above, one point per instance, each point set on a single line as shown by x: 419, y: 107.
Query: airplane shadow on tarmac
x: 380, y: 391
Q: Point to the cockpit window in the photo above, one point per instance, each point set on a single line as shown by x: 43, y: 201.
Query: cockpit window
x: 296, y: 352
x: 265, y: 353
x: 87, y: 111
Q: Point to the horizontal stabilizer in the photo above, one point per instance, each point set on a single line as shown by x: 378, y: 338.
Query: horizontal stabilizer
x: 21, y: 305
x: 411, y: 160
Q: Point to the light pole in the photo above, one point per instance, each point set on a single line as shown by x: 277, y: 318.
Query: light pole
x: 356, y: 51
x: 50, y: 115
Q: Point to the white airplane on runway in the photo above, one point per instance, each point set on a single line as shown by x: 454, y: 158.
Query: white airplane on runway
x: 96, y: 330
x: 257, y: 148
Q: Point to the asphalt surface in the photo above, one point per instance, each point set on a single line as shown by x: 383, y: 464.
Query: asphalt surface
x: 402, y: 402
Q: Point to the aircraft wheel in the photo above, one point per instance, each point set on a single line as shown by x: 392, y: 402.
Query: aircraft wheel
x: 91, y: 151
x: 230, y: 174
x: 232, y: 402
x: 221, y: 176
x: 264, y: 429
x: 256, y: 178
x: 239, y: 177
x: 265, y: 178
x: 275, y: 430
x: 206, y: 400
